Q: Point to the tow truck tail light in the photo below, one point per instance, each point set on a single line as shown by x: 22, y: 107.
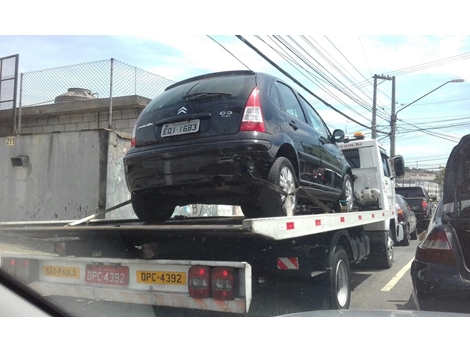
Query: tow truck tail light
x: 25, y: 270
x: 199, y: 281
x: 436, y: 248
x: 252, y: 117
x: 223, y: 283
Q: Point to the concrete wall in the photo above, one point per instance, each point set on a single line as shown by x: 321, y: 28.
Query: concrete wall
x: 77, y: 116
x: 69, y: 175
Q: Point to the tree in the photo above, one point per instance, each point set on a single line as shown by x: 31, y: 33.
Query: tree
x: 440, y: 176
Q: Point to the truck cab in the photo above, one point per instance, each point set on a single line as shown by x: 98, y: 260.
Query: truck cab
x: 374, y: 180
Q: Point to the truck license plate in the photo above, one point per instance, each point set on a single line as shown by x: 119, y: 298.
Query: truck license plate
x: 107, y: 275
x: 161, y: 277
x: 65, y: 272
x: 174, y: 129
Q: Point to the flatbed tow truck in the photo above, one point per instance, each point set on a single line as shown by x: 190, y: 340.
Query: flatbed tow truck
x: 218, y: 264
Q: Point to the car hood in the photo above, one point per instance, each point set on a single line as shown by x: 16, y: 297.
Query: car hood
x: 457, y: 173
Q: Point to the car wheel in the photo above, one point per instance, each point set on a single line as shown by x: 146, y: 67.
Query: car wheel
x: 149, y: 209
x: 272, y: 203
x: 339, y: 280
x: 347, y: 194
x: 406, y: 237
x: 251, y: 210
x: 414, y: 234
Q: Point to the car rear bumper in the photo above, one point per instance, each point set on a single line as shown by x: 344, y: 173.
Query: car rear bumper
x: 438, y: 287
x: 217, y: 164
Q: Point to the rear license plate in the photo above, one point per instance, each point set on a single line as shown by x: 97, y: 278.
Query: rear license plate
x: 107, y: 275
x: 174, y: 129
x: 161, y: 277
x: 66, y: 272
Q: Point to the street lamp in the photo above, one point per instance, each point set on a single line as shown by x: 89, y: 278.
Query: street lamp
x: 393, y: 120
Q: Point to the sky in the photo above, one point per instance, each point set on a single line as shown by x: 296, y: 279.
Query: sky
x: 420, y: 63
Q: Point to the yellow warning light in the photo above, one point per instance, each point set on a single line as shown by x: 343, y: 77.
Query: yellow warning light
x: 359, y: 135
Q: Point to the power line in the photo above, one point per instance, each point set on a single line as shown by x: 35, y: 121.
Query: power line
x: 229, y: 52
x: 299, y: 83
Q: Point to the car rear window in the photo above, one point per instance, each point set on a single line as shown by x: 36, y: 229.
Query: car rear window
x: 410, y: 192
x: 234, y: 86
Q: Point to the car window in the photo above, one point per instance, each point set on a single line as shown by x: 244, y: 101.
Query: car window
x: 410, y: 192
x: 274, y: 95
x: 290, y: 104
x: 315, y: 120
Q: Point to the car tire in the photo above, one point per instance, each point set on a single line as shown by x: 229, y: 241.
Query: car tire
x: 414, y: 234
x: 251, y: 210
x: 347, y: 193
x: 271, y: 203
x: 406, y: 237
x: 149, y: 209
x: 339, y: 280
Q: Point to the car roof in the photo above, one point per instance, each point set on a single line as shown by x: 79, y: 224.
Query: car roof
x: 210, y: 75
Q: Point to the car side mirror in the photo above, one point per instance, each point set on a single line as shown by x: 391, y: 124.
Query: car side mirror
x: 338, y: 136
x: 398, y: 166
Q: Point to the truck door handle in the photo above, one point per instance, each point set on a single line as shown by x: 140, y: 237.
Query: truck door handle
x: 293, y: 125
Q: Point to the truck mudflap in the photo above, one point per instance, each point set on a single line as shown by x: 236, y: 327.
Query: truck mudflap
x: 166, y: 283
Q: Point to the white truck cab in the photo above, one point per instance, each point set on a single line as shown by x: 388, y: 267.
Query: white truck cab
x: 374, y: 173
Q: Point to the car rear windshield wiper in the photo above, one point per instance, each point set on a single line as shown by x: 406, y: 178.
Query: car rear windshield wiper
x: 205, y: 95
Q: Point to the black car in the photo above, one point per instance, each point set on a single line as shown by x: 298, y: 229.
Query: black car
x: 236, y: 138
x: 407, y: 218
x: 440, y: 272
x: 419, y: 200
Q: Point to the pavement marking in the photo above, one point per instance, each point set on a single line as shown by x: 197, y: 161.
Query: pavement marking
x: 397, y: 277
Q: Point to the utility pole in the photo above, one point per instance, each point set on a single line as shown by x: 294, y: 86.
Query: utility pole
x: 374, y: 107
x: 374, y: 110
x: 393, y: 121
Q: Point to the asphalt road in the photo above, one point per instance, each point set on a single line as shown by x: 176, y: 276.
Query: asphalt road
x: 371, y: 289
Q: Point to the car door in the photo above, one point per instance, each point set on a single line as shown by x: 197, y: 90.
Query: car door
x: 306, y: 141
x: 331, y: 156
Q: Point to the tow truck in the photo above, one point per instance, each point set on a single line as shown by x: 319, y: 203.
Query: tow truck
x: 220, y: 264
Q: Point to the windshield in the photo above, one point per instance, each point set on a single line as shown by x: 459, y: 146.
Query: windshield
x: 410, y: 192
x: 221, y: 196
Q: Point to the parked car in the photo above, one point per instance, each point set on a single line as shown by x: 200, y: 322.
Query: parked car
x: 227, y: 138
x: 407, y: 218
x: 440, y: 272
x: 419, y: 200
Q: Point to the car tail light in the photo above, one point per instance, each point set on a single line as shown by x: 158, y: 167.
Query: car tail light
x: 252, y: 117
x: 199, y: 281
x: 436, y: 248
x: 400, y: 214
x: 223, y: 283
x: 133, y: 142
x: 424, y: 205
x: 25, y: 270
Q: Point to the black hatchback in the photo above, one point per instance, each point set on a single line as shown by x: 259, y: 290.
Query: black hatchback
x: 235, y: 138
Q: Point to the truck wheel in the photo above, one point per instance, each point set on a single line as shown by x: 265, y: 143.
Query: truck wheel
x: 148, y: 209
x: 272, y: 203
x: 385, y: 256
x: 339, y: 280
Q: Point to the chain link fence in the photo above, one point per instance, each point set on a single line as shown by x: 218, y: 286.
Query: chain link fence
x: 100, y: 94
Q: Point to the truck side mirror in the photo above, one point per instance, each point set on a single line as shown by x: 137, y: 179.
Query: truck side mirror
x: 398, y: 166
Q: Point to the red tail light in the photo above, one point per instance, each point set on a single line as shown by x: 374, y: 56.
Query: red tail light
x: 424, y: 205
x: 23, y: 269
x: 133, y: 142
x: 252, y: 117
x: 199, y: 281
x: 223, y: 283
x: 436, y: 248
